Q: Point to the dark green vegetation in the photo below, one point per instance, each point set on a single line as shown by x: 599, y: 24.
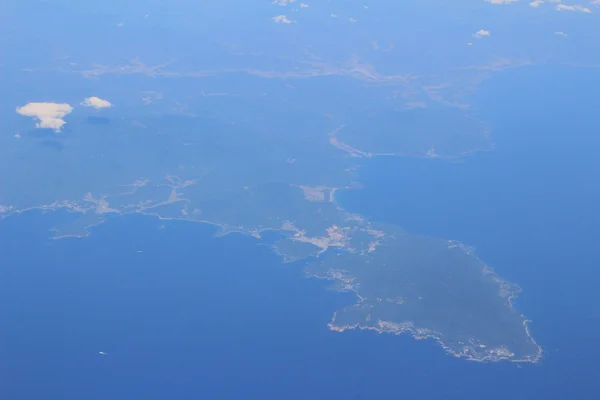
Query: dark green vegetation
x: 432, y: 288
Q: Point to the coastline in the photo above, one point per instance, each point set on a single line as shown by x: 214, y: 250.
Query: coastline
x: 100, y: 207
x: 408, y: 327
x: 418, y: 334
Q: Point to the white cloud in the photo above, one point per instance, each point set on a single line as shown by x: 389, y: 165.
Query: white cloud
x: 304, y: 5
x: 560, y: 33
x: 501, y: 1
x: 282, y: 19
x: 536, y: 3
x: 50, y: 115
x: 96, y: 102
x: 283, y: 2
x: 481, y: 33
x: 576, y: 7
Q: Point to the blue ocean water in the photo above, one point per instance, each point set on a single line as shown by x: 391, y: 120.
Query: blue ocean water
x: 182, y: 314
x: 530, y: 208
x: 190, y: 316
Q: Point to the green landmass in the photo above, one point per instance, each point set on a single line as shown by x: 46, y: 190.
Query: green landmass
x: 255, y: 164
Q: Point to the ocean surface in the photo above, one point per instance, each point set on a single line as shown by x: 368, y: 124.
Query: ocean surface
x: 531, y: 210
x: 182, y: 314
